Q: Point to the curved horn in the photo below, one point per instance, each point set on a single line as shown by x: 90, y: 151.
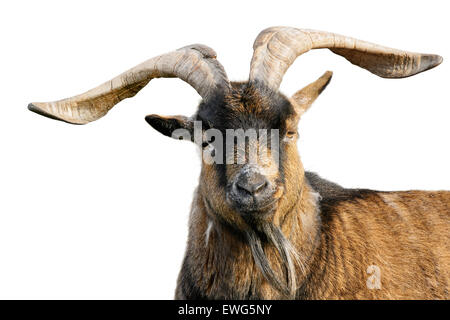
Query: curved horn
x: 195, y: 64
x: 276, y: 48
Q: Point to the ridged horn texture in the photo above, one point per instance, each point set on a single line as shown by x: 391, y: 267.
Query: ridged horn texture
x: 276, y: 48
x: 195, y: 64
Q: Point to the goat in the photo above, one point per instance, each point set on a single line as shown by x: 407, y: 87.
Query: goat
x: 268, y: 229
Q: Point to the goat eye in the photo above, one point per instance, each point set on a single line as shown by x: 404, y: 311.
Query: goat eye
x: 291, y: 134
x: 208, y: 142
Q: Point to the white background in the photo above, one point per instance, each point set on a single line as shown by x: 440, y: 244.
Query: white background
x: 100, y: 211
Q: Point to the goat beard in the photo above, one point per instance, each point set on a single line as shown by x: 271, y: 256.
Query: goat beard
x: 269, y: 233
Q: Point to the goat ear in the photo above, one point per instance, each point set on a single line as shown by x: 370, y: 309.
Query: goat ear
x: 177, y: 127
x: 304, y: 98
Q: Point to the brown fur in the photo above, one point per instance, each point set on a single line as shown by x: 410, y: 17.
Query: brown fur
x: 405, y: 234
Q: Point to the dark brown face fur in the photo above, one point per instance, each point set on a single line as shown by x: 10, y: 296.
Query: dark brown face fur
x: 250, y: 107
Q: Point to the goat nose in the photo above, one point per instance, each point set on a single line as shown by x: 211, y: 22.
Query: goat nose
x: 251, y: 184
